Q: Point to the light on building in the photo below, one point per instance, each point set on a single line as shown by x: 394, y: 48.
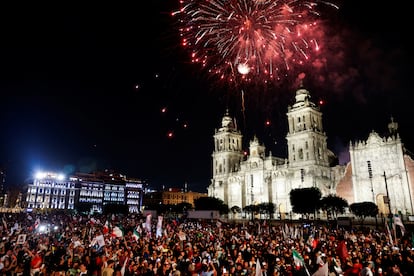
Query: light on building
x: 40, y: 175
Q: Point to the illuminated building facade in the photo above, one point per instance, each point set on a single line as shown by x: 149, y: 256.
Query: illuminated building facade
x: 241, y: 180
x: 100, y: 188
x: 382, y: 172
x: 134, y: 194
x: 172, y: 196
x: 51, y: 191
x: 95, y: 190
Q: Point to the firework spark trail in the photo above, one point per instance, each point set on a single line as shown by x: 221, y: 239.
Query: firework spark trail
x: 251, y: 40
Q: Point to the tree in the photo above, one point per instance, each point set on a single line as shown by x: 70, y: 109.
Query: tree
x: 333, y: 205
x: 250, y: 209
x: 364, y: 209
x: 267, y: 208
x: 235, y: 209
x: 183, y: 207
x: 305, y: 201
x: 211, y: 203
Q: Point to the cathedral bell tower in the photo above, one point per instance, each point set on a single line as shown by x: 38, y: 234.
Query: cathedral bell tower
x: 226, y: 156
x: 306, y: 139
x: 227, y: 147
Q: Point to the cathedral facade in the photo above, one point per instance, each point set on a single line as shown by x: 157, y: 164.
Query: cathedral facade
x: 241, y: 180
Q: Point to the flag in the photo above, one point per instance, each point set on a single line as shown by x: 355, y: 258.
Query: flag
x: 159, y: 227
x: 105, y: 229
x: 117, y: 232
x: 258, y: 268
x: 397, y: 221
x: 148, y: 223
x: 297, y: 258
x: 299, y: 261
x: 322, y: 271
x: 388, y: 231
x: 342, y: 251
x: 136, y: 234
x: 98, y: 242
x: 337, y: 267
x: 248, y: 236
x: 37, y: 223
x: 124, y: 266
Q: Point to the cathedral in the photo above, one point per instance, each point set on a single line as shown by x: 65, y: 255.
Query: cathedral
x: 379, y: 170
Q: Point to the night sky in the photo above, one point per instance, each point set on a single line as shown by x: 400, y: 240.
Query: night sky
x: 87, y: 88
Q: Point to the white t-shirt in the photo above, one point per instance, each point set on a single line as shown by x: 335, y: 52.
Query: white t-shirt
x: 366, y: 271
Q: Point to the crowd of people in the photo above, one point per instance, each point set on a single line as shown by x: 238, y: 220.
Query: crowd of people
x: 72, y: 245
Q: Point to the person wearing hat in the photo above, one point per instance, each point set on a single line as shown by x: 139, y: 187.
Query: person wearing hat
x: 367, y: 269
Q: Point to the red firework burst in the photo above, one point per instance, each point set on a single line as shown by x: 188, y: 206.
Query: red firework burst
x: 251, y: 40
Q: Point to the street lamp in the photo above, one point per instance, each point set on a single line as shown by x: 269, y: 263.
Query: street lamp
x: 388, y: 195
x: 370, y: 179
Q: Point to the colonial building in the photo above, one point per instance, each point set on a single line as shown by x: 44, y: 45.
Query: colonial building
x: 134, y: 194
x: 51, y: 190
x: 172, y: 196
x: 259, y: 178
x: 382, y: 172
x: 54, y: 191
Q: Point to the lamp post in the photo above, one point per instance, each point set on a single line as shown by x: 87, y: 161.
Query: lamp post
x: 388, y: 196
x: 370, y: 179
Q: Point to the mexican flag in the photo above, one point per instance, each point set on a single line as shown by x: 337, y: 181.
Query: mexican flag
x: 105, y: 229
x: 136, y: 234
x: 117, y: 232
x: 337, y: 268
x: 299, y: 261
